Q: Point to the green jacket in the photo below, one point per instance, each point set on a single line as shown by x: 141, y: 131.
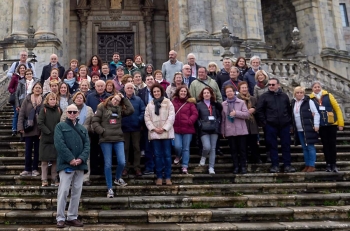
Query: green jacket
x: 48, y: 118
x: 70, y: 145
x: 196, y: 87
x: 107, y: 121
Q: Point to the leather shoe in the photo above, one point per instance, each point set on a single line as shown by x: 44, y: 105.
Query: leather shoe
x: 138, y: 172
x: 60, y: 224
x: 274, y: 169
x: 288, y: 169
x: 125, y: 172
x: 243, y: 170
x: 305, y: 169
x: 75, y: 223
x: 235, y: 170
x: 311, y: 169
x: 87, y: 183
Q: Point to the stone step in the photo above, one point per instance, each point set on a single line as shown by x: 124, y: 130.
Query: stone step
x: 242, y: 226
x: 183, y: 202
x: 219, y: 168
x: 217, y: 189
x: 165, y: 216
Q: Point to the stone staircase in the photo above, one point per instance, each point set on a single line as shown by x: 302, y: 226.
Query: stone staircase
x: 197, y: 201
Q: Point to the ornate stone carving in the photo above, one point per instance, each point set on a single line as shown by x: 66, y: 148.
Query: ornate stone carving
x: 116, y: 4
x: 226, y: 42
x: 248, y: 51
x: 147, y: 12
x: 31, y: 43
x: 83, y: 15
x: 297, y: 44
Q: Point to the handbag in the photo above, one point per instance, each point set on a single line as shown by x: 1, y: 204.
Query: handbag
x: 330, y: 117
x: 28, y: 125
x: 207, y: 125
x: 12, y: 99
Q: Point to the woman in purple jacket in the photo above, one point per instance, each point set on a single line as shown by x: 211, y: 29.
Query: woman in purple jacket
x: 234, y: 128
x: 186, y: 115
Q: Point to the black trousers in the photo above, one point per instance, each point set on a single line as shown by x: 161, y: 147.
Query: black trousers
x: 96, y: 156
x: 238, y: 148
x: 328, y: 136
x: 252, y: 142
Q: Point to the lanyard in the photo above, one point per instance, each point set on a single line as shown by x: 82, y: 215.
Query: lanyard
x: 297, y: 106
x: 210, y: 110
x: 234, y: 85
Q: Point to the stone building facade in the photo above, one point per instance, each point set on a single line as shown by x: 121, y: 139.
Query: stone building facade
x: 81, y: 28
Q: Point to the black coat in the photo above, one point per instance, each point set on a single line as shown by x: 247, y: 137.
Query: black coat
x: 46, y: 72
x: 203, y: 114
x: 143, y: 94
x: 307, y: 121
x: 274, y: 109
x: 222, y: 77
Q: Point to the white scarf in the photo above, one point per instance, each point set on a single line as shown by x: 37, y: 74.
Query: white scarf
x: 29, y: 86
x: 319, y: 95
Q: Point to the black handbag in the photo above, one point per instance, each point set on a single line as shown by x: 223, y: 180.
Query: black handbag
x: 207, y: 125
x: 12, y: 99
x: 28, y: 125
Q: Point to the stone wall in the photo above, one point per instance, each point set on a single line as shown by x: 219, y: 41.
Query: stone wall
x: 347, y: 29
x: 279, y: 19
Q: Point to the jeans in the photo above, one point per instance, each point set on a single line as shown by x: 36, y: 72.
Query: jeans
x: 162, y: 153
x: 238, y: 149
x: 209, y: 145
x: 66, y: 180
x: 328, y: 136
x: 107, y: 154
x: 149, y: 162
x: 308, y: 150
x: 15, y: 119
x: 182, y: 147
x: 29, y: 164
x: 271, y: 139
x: 134, y: 137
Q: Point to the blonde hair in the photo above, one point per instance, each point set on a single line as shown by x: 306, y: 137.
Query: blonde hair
x: 83, y: 81
x: 50, y: 95
x: 298, y: 88
x: 263, y: 73
x: 216, y: 66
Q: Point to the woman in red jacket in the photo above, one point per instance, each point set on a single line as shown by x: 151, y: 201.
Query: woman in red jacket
x: 19, y: 74
x: 186, y: 115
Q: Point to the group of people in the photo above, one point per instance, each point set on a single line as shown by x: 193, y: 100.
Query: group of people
x: 77, y: 118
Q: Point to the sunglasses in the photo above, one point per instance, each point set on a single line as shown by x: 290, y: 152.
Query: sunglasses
x: 272, y: 84
x: 74, y: 112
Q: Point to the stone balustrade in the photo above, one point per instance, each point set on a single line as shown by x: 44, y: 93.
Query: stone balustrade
x: 5, y: 65
x: 4, y: 94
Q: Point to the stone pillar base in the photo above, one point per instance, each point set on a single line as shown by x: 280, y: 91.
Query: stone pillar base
x: 44, y: 35
x: 197, y: 33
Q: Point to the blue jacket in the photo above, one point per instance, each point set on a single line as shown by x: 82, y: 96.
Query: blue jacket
x: 94, y: 99
x: 249, y: 77
x: 113, y: 67
x: 133, y: 122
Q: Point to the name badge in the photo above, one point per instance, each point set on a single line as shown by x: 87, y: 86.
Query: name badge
x: 322, y: 108
x: 114, y: 114
x: 211, y: 118
x: 237, y: 92
x: 112, y: 121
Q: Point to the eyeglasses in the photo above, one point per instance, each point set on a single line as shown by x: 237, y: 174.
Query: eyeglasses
x: 74, y: 112
x: 272, y: 84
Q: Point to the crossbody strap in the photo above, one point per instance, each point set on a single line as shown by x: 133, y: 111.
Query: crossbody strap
x: 180, y: 108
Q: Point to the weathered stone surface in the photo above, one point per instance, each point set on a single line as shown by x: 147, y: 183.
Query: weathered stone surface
x: 207, y: 226
x: 183, y: 215
x: 123, y: 216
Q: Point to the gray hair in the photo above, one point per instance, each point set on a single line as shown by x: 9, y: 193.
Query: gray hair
x: 192, y: 55
x: 254, y: 58
x: 316, y: 82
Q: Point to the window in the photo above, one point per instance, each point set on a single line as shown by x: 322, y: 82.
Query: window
x: 344, y: 15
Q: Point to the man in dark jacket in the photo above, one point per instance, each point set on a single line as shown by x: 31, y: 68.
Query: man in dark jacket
x: 191, y: 60
x: 47, y: 69
x: 146, y: 97
x: 249, y: 76
x: 131, y: 126
x: 186, y: 75
x: 73, y: 148
x: 224, y: 74
x: 275, y: 114
x: 96, y: 158
x: 105, y: 74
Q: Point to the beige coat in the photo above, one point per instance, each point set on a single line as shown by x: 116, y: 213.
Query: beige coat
x: 165, y: 120
x: 46, y: 87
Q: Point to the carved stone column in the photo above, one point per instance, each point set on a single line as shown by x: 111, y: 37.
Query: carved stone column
x: 219, y: 15
x: 147, y: 14
x: 20, y: 22
x: 83, y: 16
x: 196, y: 18
x: 46, y: 12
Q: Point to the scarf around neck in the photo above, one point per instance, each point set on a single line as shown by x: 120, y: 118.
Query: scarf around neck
x: 83, y: 112
x: 70, y: 82
x: 262, y: 84
x: 318, y: 95
x: 157, y: 104
x: 246, y: 99
x: 231, y: 104
x: 29, y: 86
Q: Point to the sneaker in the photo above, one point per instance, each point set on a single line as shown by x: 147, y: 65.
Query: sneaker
x: 142, y: 152
x: 44, y: 183
x: 202, y: 162
x: 328, y: 168
x: 49, y: 164
x: 274, y: 169
x: 177, y: 160
x: 148, y: 172
x: 288, y: 169
x: 25, y: 173
x: 334, y: 168
x: 35, y: 173
x: 55, y: 183
x: 184, y: 170
x: 120, y: 182
x: 211, y: 171
x: 110, y: 193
